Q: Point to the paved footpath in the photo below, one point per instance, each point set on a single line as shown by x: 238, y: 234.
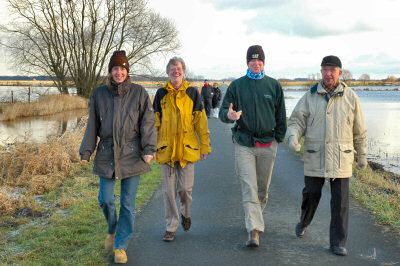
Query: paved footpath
x: 218, y: 234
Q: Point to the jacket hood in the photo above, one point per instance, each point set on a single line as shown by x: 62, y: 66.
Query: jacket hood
x: 183, y: 87
x: 118, y: 89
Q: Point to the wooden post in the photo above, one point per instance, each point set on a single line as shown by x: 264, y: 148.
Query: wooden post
x: 12, y: 97
x: 29, y: 94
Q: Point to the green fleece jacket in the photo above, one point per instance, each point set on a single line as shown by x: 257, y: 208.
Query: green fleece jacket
x: 263, y: 110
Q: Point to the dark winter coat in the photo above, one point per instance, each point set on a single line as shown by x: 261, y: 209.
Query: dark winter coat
x: 124, y: 121
x: 206, y: 93
x: 217, y: 96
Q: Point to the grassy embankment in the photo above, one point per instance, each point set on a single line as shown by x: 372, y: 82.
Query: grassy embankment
x: 49, y: 212
x: 47, y: 105
x: 378, y: 191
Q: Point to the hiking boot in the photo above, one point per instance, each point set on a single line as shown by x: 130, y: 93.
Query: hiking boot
x: 109, y: 242
x: 300, y: 231
x: 186, y: 223
x: 341, y: 251
x: 120, y: 256
x: 254, y: 240
x: 169, y: 236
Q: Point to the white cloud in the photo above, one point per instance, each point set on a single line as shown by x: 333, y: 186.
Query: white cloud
x: 295, y: 35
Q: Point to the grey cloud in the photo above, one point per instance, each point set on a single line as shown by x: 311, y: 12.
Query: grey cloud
x: 300, y: 26
x: 247, y: 5
x: 381, y: 59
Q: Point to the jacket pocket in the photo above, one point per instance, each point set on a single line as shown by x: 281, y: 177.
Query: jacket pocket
x: 191, y: 154
x: 163, y: 153
x: 346, y: 156
x: 312, y: 157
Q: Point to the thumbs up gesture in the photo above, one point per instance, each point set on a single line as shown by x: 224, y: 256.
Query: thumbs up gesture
x: 233, y: 115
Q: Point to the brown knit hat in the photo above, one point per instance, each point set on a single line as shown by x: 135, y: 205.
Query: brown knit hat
x: 255, y: 52
x: 118, y: 59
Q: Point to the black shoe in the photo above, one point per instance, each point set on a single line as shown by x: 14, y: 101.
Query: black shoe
x: 300, y: 231
x: 186, y: 223
x: 169, y: 236
x: 341, y: 251
x: 254, y: 239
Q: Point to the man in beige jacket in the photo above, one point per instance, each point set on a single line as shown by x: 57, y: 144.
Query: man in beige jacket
x: 330, y: 118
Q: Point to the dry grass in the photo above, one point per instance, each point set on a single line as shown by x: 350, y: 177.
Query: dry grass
x: 47, y: 105
x: 31, y: 83
x: 379, y: 191
x: 28, y: 169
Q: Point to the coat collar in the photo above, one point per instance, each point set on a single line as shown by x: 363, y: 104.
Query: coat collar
x: 183, y: 87
x: 320, y: 89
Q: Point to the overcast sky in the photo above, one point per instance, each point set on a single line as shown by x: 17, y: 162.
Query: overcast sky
x: 295, y: 35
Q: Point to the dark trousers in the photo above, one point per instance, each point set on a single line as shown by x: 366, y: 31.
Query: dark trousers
x: 208, y: 105
x: 339, y: 206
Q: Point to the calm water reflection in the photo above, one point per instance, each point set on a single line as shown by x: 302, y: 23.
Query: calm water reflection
x: 382, y: 115
x: 39, y: 128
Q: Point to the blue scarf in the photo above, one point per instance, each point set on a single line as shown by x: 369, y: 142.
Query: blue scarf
x: 255, y: 76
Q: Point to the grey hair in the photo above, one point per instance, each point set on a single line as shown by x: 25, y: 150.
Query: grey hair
x: 174, y: 60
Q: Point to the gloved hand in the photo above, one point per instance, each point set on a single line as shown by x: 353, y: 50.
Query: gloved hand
x: 361, y: 162
x: 294, y: 144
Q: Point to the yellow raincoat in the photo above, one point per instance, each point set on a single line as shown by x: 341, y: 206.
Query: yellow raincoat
x: 179, y: 117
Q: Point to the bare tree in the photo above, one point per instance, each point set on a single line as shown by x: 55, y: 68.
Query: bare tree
x: 76, y: 38
x: 346, y: 75
x: 364, y: 78
x: 391, y: 79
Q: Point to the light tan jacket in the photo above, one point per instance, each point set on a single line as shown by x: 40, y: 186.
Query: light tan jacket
x: 333, y: 130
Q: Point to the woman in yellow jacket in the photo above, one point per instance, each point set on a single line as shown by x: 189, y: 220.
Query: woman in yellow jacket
x: 179, y: 117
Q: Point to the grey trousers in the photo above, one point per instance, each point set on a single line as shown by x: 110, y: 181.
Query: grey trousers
x: 176, y: 180
x: 254, y: 168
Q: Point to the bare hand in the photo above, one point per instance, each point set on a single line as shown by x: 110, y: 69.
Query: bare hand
x: 203, y: 156
x: 148, y: 158
x: 84, y: 161
x: 294, y: 144
x: 233, y: 115
x: 361, y: 163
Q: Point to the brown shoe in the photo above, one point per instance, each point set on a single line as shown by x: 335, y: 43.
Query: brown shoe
x: 109, y: 242
x: 120, y: 256
x: 254, y: 240
x: 186, y: 223
x: 169, y: 236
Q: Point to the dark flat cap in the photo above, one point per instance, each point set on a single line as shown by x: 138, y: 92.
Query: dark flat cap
x: 331, y: 60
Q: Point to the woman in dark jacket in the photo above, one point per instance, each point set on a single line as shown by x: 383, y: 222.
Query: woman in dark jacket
x: 217, y: 96
x: 121, y: 116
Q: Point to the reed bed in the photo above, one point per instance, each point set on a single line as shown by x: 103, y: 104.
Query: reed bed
x: 47, y: 105
x: 28, y: 169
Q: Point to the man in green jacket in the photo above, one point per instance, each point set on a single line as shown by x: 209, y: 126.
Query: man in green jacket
x: 255, y: 103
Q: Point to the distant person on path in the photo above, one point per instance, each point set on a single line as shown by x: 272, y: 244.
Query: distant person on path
x: 257, y: 105
x: 330, y: 117
x: 206, y: 96
x: 179, y: 117
x: 216, y: 99
x: 121, y: 115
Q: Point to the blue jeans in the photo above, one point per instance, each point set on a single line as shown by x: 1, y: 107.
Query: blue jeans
x: 124, y: 225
